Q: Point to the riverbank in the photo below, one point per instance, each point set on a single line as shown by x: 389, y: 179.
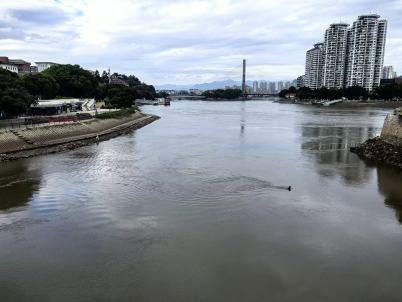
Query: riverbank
x: 388, y: 147
x: 378, y: 150
x: 350, y: 104
x: 16, y: 144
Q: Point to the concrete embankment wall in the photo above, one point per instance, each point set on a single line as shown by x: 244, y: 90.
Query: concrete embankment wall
x: 392, y: 130
x: 18, y: 140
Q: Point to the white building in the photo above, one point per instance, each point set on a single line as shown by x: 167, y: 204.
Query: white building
x: 388, y: 73
x: 272, y: 87
x: 263, y: 87
x: 9, y: 67
x: 300, y: 81
x: 335, y: 48
x: 44, y: 65
x: 196, y: 91
x: 281, y: 86
x: 366, y: 46
x: 255, y: 87
x: 314, y: 66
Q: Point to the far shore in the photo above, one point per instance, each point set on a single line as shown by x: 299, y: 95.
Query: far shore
x: 351, y: 104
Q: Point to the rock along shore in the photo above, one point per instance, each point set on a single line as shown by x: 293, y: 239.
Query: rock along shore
x: 387, y: 148
x: 53, y: 139
x: 378, y: 150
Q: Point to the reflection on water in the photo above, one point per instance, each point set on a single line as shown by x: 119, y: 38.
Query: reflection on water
x: 330, y: 146
x: 390, y: 185
x: 17, y: 184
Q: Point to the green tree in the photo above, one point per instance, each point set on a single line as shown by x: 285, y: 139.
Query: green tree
x: 355, y: 93
x: 40, y: 85
x: 73, y: 81
x: 388, y: 92
x: 228, y: 94
x: 104, y: 78
x: 8, y: 79
x: 121, y: 96
x: 14, y: 99
x: 283, y: 93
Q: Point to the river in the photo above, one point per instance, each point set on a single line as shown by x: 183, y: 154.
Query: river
x: 195, y: 207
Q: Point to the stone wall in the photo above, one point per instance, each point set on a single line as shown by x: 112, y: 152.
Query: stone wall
x: 18, y: 140
x: 392, y: 130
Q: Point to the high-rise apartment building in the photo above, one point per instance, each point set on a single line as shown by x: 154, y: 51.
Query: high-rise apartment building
x: 263, y: 87
x: 272, y: 87
x: 314, y: 66
x: 335, y: 47
x: 388, y: 73
x: 255, y: 87
x: 365, y: 56
x: 281, y: 86
x: 351, y: 56
x: 301, y: 81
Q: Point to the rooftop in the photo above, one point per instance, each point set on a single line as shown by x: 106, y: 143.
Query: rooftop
x: 341, y: 24
x: 45, y: 63
x: 369, y: 16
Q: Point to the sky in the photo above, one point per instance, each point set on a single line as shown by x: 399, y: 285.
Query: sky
x: 184, y: 42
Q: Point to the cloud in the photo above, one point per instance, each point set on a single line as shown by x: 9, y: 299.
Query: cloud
x: 43, y: 17
x: 184, y: 41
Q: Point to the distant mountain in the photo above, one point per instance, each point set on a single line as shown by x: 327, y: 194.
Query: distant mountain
x: 203, y: 86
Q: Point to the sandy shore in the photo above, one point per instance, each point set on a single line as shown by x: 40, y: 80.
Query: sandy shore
x: 51, y: 139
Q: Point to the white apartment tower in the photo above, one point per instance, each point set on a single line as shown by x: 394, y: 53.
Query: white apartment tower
x: 335, y: 47
x: 365, y: 56
x: 388, y: 73
x: 263, y: 87
x: 255, y: 87
x: 314, y: 66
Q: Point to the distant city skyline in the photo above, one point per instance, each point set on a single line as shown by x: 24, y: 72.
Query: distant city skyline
x: 181, y: 42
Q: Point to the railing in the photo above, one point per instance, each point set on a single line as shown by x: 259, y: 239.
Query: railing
x: 35, y: 121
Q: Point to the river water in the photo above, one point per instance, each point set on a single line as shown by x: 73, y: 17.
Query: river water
x: 195, y: 207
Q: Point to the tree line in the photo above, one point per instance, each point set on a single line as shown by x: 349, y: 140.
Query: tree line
x: 229, y: 94
x: 384, y: 92
x: 17, y: 93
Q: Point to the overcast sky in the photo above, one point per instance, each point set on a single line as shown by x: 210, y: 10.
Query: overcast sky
x: 184, y: 42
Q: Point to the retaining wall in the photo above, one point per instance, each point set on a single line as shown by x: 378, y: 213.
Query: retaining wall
x: 392, y: 130
x: 42, y: 137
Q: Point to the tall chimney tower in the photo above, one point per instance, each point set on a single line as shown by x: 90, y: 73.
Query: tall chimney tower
x: 243, y: 87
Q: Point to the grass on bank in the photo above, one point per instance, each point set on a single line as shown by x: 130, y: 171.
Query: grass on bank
x: 117, y: 114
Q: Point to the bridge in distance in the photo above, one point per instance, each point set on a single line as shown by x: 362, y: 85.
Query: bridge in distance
x: 244, y: 91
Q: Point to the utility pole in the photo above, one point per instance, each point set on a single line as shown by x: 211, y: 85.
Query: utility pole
x: 244, y: 88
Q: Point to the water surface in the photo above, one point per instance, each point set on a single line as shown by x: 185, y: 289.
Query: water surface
x: 195, y: 207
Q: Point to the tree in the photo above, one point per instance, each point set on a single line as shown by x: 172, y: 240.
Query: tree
x: 104, y: 78
x: 40, y: 85
x: 388, y: 92
x: 355, y: 93
x: 8, y: 79
x: 14, y: 99
x: 121, y: 96
x: 228, y: 94
x: 73, y: 81
x: 283, y: 93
